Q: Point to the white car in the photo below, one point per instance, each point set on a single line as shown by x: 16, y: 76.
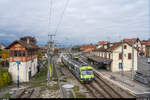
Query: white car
x: 148, y: 60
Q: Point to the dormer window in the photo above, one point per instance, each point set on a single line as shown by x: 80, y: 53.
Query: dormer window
x: 125, y: 46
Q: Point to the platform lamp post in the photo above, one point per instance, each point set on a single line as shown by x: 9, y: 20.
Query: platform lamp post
x: 18, y: 62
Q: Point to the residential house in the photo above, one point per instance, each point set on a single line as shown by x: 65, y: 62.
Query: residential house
x: 137, y: 42
x: 2, y: 46
x: 102, y: 43
x: 111, y: 57
x: 43, y: 49
x: 87, y: 48
x: 145, y: 48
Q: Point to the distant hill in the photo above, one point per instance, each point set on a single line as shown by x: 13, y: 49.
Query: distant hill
x: 6, y: 43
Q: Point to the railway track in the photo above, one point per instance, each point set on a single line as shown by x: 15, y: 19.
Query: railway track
x: 98, y: 88
x: 109, y: 90
x: 90, y: 88
x: 25, y: 93
x: 58, y: 76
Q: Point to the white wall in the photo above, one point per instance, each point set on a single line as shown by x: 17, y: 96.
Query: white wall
x: 24, y: 69
x: 127, y: 62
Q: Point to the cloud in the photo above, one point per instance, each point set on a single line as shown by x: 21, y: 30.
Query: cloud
x: 85, y: 21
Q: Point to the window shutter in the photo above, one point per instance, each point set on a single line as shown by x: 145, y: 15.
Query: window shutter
x: 129, y: 55
x: 120, y: 55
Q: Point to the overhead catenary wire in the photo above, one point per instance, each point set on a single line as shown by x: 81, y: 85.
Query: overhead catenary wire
x: 50, y: 16
x: 61, y: 17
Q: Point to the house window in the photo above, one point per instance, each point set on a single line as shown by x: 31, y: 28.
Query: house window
x: 15, y: 53
x: 125, y: 46
x: 22, y: 53
x: 11, y: 53
x: 120, y: 56
x: 18, y: 53
x: 120, y: 66
x: 105, y: 55
x: 109, y: 55
x: 129, y: 55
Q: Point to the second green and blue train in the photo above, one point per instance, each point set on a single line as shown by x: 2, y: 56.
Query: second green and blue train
x: 82, y: 71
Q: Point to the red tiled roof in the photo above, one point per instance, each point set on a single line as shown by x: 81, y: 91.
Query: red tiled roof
x: 115, y: 45
x: 43, y: 47
x: 131, y: 39
x: 2, y: 45
x: 100, y: 49
x: 102, y: 42
x: 145, y: 42
x: 87, y: 47
x: 28, y: 46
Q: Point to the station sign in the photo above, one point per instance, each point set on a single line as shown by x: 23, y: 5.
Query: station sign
x: 107, y: 63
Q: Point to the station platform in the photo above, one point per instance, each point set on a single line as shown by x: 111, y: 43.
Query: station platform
x: 124, y: 80
x: 96, y: 58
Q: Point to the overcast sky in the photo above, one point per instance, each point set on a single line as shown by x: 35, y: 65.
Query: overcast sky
x: 85, y: 21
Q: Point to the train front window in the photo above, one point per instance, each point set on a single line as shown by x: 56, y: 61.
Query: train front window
x: 89, y: 72
x: 83, y: 72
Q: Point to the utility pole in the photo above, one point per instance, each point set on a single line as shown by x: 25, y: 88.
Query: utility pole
x: 50, y: 54
x: 132, y: 73
x: 122, y: 56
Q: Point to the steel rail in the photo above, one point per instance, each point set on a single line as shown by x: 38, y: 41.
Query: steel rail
x: 110, y: 88
x: 60, y: 87
x: 119, y: 94
x: 86, y: 86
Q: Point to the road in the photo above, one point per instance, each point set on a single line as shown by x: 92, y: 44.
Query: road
x: 143, y: 66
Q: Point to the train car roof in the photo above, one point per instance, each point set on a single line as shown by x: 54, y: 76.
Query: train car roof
x: 76, y: 63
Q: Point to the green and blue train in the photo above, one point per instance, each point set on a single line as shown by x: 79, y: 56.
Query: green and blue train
x: 82, y: 71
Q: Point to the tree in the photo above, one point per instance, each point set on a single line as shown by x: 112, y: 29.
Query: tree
x: 4, y: 56
x: 56, y: 50
x: 40, y: 54
x: 0, y: 53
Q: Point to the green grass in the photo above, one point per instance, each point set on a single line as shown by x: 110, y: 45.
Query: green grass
x: 71, y: 95
x: 2, y: 70
x: 35, y: 85
x: 63, y: 80
x: 76, y: 88
x: 54, y: 87
x: 7, y: 95
x: 54, y: 73
x: 43, y: 88
x: 80, y: 95
x: 42, y: 75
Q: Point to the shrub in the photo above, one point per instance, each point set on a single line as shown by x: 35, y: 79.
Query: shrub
x: 5, y: 78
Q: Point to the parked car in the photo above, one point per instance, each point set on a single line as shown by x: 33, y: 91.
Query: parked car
x: 140, y: 78
x: 148, y: 60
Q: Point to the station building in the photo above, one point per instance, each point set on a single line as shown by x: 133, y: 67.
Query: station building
x: 25, y: 51
x: 145, y: 48
x: 110, y: 57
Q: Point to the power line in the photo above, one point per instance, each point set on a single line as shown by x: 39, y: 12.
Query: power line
x: 61, y: 18
x: 50, y: 14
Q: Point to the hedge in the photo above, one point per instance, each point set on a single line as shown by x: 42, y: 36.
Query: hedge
x: 5, y: 78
